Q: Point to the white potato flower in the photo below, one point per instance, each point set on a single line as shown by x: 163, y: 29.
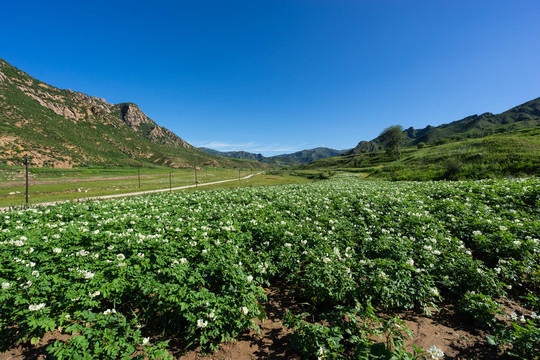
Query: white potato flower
x: 36, y: 307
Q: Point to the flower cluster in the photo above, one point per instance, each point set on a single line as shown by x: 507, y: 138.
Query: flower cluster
x: 435, y: 352
x: 36, y: 307
x: 202, y: 323
x: 109, y: 312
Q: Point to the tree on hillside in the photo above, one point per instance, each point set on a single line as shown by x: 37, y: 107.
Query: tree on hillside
x: 392, y: 137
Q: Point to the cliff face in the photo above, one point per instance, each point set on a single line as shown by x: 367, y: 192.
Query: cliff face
x: 364, y: 147
x: 133, y: 116
x: 60, y: 127
x: 78, y: 107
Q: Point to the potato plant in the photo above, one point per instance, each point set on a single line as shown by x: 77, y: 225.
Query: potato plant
x: 126, y: 276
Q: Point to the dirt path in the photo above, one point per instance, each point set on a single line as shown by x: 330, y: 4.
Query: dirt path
x: 103, y: 197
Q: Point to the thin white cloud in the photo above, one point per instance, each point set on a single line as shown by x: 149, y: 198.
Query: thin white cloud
x: 217, y: 145
x: 280, y: 149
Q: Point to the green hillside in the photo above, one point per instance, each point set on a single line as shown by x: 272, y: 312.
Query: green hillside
x: 524, y: 116
x: 64, y: 128
x: 513, y: 153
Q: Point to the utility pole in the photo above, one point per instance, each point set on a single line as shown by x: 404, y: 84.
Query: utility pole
x: 195, y: 175
x: 139, y: 174
x: 170, y: 180
x: 239, y: 176
x: 26, y: 163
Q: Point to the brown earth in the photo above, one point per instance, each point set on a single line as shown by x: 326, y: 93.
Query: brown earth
x: 28, y: 351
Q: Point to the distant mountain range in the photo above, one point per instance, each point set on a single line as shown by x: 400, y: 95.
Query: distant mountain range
x: 244, y: 155
x: 64, y: 128
x: 297, y: 158
x: 523, y: 116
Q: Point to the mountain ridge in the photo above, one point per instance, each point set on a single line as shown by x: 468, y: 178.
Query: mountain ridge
x: 65, y: 128
x: 523, y: 116
x: 297, y: 158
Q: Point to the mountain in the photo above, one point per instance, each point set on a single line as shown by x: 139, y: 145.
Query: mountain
x: 297, y: 158
x: 244, y: 155
x: 303, y: 157
x: 524, y: 116
x: 65, y: 128
x: 511, y: 153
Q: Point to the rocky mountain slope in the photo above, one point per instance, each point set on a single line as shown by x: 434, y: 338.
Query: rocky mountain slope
x: 64, y: 128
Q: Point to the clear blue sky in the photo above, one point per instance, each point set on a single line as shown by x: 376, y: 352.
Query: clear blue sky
x: 276, y: 76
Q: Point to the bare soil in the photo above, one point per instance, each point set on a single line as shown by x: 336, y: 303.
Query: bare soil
x: 38, y: 352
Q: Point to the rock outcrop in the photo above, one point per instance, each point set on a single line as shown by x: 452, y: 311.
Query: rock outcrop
x: 68, y: 126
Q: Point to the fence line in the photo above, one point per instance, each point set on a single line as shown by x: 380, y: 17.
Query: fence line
x: 55, y: 186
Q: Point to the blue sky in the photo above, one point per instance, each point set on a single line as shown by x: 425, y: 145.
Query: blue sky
x: 278, y: 76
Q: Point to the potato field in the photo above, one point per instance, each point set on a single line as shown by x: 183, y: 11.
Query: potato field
x: 126, y: 277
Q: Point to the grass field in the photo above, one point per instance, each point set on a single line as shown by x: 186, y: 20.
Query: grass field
x: 49, y: 184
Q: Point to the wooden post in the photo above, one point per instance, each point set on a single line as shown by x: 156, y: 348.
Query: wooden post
x: 26, y: 163
x: 195, y: 175
x: 139, y: 174
x: 170, y: 180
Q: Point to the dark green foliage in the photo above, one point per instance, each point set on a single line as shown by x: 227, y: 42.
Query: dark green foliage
x: 521, y: 338
x: 392, y: 138
x: 482, y: 308
x: 109, y: 337
x: 453, y: 167
x: 350, y: 333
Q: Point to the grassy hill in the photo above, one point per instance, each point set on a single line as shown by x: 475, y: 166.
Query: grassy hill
x: 524, y: 116
x: 513, y: 153
x: 64, y: 128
